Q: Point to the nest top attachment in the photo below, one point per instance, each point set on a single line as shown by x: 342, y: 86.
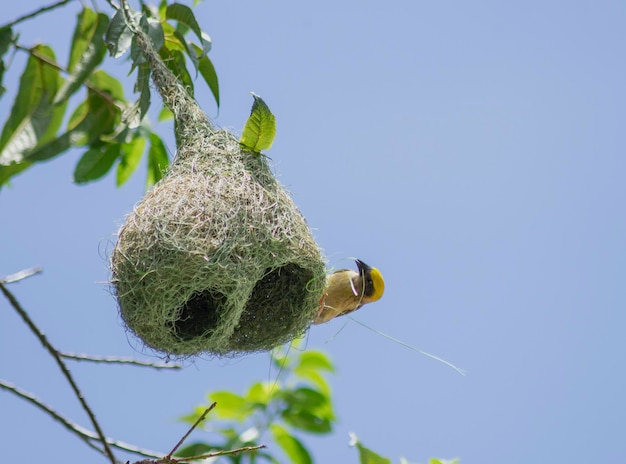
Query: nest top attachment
x: 216, y: 258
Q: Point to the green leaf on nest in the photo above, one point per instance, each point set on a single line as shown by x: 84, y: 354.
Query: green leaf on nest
x: 260, y: 129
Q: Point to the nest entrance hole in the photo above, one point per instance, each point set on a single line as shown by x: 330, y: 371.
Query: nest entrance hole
x: 274, y: 308
x: 199, y: 315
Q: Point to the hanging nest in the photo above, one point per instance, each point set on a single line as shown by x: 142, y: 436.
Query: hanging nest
x: 216, y: 258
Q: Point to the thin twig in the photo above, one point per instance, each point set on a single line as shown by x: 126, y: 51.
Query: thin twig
x: 21, y: 275
x: 84, y: 434
x: 57, y: 66
x: 43, y: 9
x: 114, y: 5
x: 116, y: 360
x: 223, y: 453
x: 191, y: 429
x: 55, y: 354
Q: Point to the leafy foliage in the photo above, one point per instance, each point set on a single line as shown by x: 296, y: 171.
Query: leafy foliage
x: 297, y: 403
x: 105, y: 124
x: 284, y: 409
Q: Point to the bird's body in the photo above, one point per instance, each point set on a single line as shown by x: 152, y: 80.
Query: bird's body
x: 347, y: 290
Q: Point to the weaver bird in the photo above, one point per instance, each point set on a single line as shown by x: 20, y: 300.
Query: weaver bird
x: 347, y: 290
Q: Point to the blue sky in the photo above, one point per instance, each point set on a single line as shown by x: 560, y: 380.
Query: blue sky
x: 472, y: 151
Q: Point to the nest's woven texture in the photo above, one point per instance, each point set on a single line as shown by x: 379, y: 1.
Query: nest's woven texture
x: 216, y: 258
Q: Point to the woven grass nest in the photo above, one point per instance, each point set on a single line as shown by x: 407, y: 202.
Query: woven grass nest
x: 216, y: 258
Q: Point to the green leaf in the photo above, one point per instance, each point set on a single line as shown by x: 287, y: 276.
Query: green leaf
x: 260, y: 129
x: 208, y: 73
x: 51, y: 149
x: 261, y: 393
x: 94, y: 120
x: 175, y: 61
x: 175, y: 40
x: 230, y: 405
x: 292, y: 447
x: 314, y: 361
x: 153, y: 28
x: 6, y: 40
x: 142, y: 85
x: 165, y: 115
x: 108, y: 84
x: 131, y: 154
x: 6, y: 172
x: 309, y: 366
x: 315, y: 378
x: 118, y: 37
x: 79, y: 115
x: 96, y: 162
x: 157, y: 160
x: 307, y: 421
x: 307, y: 398
x: 183, y: 14
x: 2, y: 69
x: 88, y: 50
x: 366, y: 455
x: 34, y: 118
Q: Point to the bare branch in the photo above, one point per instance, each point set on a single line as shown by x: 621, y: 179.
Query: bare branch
x: 116, y: 360
x: 50, y: 62
x: 57, y: 357
x: 215, y: 454
x: 191, y: 429
x: 20, y: 275
x: 43, y: 9
x: 84, y: 434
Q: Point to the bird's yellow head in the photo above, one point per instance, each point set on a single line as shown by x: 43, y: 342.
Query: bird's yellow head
x: 374, y: 284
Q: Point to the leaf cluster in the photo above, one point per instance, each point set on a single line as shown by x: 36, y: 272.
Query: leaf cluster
x: 78, y: 105
x: 298, y: 402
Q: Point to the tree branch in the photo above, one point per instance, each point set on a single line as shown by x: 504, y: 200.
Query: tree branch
x: 57, y: 357
x: 84, y: 434
x: 215, y: 454
x: 195, y: 424
x: 55, y: 65
x: 43, y: 9
x: 20, y: 275
x: 116, y: 360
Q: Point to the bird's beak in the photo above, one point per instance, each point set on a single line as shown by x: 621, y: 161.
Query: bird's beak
x: 363, y: 268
